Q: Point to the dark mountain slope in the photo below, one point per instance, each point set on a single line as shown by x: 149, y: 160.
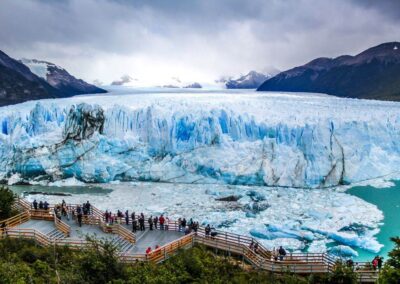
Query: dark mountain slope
x: 372, y: 74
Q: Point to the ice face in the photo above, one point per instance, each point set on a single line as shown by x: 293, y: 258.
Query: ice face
x: 298, y: 219
x: 231, y: 138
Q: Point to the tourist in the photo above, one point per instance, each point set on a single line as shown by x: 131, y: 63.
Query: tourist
x: 350, y: 263
x: 84, y: 209
x: 251, y: 245
x: 195, y: 226
x: 46, y: 205
x: 274, y: 254
x: 88, y: 207
x: 40, y: 204
x: 141, y: 222
x: 162, y: 221
x: 256, y: 247
x: 133, y: 217
x: 213, y: 232
x: 183, y: 224
x: 150, y: 221
x: 134, y: 225
x: 35, y: 204
x: 126, y: 217
x: 207, y: 230
x: 380, y: 262
x: 166, y: 224
x: 148, y: 250
x: 187, y: 230
x: 282, y: 253
x: 106, y: 216
x: 80, y: 218
x: 180, y: 224
x: 155, y: 221
x: 63, y: 203
x: 375, y: 262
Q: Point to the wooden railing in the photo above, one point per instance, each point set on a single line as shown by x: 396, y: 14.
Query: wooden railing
x: 124, y: 233
x: 61, y: 226
x: 16, y: 220
x: 166, y: 251
x: 28, y: 234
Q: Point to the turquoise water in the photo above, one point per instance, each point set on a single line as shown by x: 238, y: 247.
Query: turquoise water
x: 388, y: 201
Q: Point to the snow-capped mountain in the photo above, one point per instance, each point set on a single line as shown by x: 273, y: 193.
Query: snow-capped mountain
x: 372, y: 74
x: 251, y: 80
x: 19, y: 84
x: 60, y: 79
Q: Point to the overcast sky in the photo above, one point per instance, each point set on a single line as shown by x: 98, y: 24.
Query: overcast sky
x: 193, y: 40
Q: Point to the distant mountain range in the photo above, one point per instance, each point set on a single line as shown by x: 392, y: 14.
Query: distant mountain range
x: 372, y: 74
x: 251, y: 80
x: 20, y: 83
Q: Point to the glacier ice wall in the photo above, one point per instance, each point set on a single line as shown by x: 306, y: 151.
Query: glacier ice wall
x: 277, y: 140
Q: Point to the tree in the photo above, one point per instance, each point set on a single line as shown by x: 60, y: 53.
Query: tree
x: 7, y: 198
x: 390, y: 273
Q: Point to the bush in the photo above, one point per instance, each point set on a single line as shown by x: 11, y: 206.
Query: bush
x: 390, y: 273
x: 7, y: 199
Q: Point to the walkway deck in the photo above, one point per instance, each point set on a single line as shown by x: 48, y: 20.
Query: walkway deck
x: 144, y: 239
x: 44, y: 228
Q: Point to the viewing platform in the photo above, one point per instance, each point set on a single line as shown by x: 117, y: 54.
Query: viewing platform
x: 45, y: 228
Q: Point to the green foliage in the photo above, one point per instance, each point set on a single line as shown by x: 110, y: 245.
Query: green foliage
x: 22, y: 261
x: 390, y: 273
x: 7, y: 199
x: 342, y: 274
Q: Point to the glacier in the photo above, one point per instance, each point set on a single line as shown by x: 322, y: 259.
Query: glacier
x: 238, y: 138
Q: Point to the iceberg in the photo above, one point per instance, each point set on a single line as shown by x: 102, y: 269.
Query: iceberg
x: 269, y: 139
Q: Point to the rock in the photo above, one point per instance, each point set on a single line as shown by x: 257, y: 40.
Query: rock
x: 83, y: 121
x: 230, y: 198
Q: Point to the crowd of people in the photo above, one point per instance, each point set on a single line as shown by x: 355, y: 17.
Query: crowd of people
x: 41, y: 205
x: 141, y: 223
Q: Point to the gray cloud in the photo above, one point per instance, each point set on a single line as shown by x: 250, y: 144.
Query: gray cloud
x: 104, y: 39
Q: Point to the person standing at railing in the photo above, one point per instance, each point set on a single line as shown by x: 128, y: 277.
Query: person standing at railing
x: 134, y: 224
x: 141, y: 222
x: 166, y: 224
x: 282, y: 253
x: 150, y: 221
x: 46, y: 205
x: 40, y: 204
x: 162, y: 221
x: 126, y: 217
x: 79, y: 215
x: 133, y: 216
x: 35, y: 204
x: 207, y: 230
x: 183, y: 224
x: 155, y: 221
x: 88, y: 207
x: 107, y: 216
x: 180, y: 224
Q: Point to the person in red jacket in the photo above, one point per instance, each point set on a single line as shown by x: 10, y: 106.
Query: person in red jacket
x: 161, y: 220
x: 148, y: 250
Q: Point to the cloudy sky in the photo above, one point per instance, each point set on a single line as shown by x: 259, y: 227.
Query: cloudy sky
x: 195, y: 40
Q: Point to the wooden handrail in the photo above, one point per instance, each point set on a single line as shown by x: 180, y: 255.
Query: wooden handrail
x: 124, y: 233
x: 17, y: 219
x: 60, y: 225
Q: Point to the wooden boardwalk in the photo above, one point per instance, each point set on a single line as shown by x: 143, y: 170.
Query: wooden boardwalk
x: 46, y: 229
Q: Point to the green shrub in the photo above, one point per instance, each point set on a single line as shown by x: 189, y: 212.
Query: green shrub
x: 7, y: 199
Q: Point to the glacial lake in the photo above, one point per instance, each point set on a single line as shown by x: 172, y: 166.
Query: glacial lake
x: 197, y: 201
x: 388, y: 201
